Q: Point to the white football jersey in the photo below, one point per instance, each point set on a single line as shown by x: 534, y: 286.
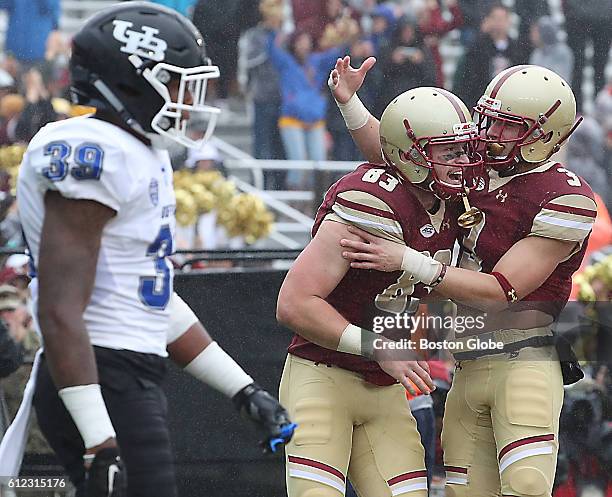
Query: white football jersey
x: 86, y: 158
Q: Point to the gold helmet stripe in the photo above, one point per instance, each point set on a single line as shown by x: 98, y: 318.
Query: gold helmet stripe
x: 453, y: 100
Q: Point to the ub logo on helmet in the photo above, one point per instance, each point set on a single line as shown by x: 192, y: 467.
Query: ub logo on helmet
x: 144, y: 43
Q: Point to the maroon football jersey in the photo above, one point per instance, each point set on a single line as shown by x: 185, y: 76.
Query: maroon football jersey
x: 548, y: 201
x: 374, y: 199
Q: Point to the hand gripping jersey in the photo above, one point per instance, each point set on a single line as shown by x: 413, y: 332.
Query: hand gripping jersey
x: 548, y: 201
x: 374, y: 199
x: 86, y: 158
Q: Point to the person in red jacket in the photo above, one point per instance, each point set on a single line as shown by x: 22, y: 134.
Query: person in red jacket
x: 433, y: 26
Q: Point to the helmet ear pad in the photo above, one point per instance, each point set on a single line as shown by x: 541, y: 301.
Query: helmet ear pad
x: 409, y: 163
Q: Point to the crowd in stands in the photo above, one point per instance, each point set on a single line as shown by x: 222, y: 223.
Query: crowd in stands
x: 277, y: 54
x: 283, y: 59
x: 33, y: 92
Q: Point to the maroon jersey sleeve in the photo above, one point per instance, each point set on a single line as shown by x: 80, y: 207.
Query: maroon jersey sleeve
x: 364, y: 199
x: 567, y: 213
x: 568, y: 209
x: 549, y: 201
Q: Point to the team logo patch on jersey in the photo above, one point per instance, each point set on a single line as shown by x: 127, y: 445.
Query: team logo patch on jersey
x: 427, y: 230
x: 501, y: 196
x: 154, y: 192
x: 142, y: 43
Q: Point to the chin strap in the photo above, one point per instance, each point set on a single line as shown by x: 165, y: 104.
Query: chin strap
x: 117, y: 106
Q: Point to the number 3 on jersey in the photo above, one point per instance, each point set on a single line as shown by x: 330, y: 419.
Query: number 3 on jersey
x: 88, y: 158
x: 574, y: 180
x: 155, y: 290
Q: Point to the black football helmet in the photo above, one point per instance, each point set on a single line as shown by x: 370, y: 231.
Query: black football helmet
x: 125, y: 56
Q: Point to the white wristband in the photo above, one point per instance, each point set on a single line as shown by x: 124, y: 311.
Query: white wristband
x: 86, y: 406
x: 181, y: 318
x: 216, y: 368
x: 357, y: 341
x: 421, y: 266
x: 354, y: 113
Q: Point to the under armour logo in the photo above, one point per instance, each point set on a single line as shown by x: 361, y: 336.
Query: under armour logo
x: 144, y: 43
x: 512, y: 295
x: 501, y: 196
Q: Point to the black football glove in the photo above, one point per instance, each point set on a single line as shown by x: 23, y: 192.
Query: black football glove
x: 265, y: 411
x: 106, y: 477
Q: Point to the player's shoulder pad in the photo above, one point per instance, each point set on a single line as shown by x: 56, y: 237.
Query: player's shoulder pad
x: 562, y: 179
x: 80, y: 129
x: 84, y: 158
x: 363, y: 198
x: 569, y: 211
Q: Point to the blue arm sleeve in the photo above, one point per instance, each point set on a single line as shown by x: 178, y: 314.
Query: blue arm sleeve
x: 55, y: 9
x: 50, y: 8
x: 281, y: 59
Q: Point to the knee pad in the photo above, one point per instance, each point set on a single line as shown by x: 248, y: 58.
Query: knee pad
x: 526, y: 481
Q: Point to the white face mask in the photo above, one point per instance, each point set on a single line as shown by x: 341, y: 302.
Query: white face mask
x: 169, y: 122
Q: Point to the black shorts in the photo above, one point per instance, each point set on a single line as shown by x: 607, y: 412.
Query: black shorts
x: 138, y: 410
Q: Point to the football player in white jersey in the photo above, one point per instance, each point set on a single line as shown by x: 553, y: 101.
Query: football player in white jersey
x: 96, y: 202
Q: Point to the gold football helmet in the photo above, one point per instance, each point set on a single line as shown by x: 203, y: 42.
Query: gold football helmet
x: 421, y: 118
x: 533, y: 97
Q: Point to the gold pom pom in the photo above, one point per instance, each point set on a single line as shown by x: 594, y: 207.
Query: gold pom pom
x: 10, y: 160
x: 246, y: 215
x: 595, y: 275
x: 585, y: 290
x: 206, y: 178
x: 224, y: 191
x: 186, y: 208
x: 202, y: 191
x: 204, y: 199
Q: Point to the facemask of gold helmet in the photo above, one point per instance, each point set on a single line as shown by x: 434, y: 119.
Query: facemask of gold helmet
x: 525, y: 114
x: 427, y: 134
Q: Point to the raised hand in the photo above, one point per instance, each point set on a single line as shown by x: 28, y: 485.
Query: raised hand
x: 344, y: 80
